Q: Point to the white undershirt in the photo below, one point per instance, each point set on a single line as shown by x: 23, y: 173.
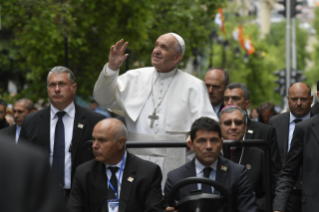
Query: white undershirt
x: 292, y: 126
x: 217, y: 108
x: 109, y: 174
x: 68, y: 122
x: 199, y: 168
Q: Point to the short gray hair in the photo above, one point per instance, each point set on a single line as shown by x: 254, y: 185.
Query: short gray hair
x: 29, y: 104
x: 177, y: 47
x: 230, y: 109
x: 60, y: 70
x: 120, y: 131
x: 241, y: 86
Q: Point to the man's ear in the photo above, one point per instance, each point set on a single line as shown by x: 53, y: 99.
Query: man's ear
x: 248, y: 103
x: 190, y: 144
x: 178, y: 57
x: 121, y: 143
x: 74, y: 87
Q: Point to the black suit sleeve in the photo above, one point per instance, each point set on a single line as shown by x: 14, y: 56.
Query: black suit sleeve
x: 290, y: 171
x: 77, y: 197
x: 275, y: 157
x: 153, y: 198
x: 245, y: 195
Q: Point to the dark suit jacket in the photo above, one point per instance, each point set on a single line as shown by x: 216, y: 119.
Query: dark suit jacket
x: 26, y: 182
x: 221, y: 107
x: 303, y: 152
x: 36, y: 130
x: 10, y: 132
x: 253, y: 160
x: 256, y: 130
x: 315, y: 108
x: 89, y: 191
x: 234, y: 179
x: 281, y: 124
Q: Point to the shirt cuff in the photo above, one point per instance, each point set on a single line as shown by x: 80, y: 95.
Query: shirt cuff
x: 109, y: 72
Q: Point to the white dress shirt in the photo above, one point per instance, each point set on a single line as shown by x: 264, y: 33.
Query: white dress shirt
x: 18, y: 129
x: 200, y: 172
x: 292, y: 125
x: 217, y: 108
x: 109, y: 174
x: 68, y: 122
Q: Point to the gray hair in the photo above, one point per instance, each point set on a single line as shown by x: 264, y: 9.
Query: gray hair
x: 241, y: 86
x: 178, y: 47
x: 225, y: 72
x: 121, y: 131
x: 60, y: 70
x: 230, y: 109
x: 29, y: 104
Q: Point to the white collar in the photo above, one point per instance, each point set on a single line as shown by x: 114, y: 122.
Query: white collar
x: 292, y: 117
x: 70, y: 110
x: 119, y: 164
x: 200, y: 167
x: 166, y: 75
x: 217, y: 107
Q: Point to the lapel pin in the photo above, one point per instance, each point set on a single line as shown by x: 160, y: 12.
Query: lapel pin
x: 80, y: 126
x: 224, y: 168
x: 248, y: 166
x: 250, y: 131
x: 130, y: 179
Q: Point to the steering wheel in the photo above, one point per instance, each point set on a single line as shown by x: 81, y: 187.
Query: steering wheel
x: 200, y: 202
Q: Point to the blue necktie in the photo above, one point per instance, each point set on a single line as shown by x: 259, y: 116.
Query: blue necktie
x: 207, y: 188
x: 59, y: 149
x: 110, y: 193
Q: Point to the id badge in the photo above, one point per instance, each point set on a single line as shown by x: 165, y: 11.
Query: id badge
x: 113, y: 205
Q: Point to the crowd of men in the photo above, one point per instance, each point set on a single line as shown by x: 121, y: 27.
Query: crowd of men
x: 157, y: 103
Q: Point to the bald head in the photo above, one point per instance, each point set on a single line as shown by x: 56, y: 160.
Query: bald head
x: 113, y: 126
x: 109, y: 141
x: 216, y: 80
x: 299, y: 99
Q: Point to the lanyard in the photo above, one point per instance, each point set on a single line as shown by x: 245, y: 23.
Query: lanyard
x: 118, y: 179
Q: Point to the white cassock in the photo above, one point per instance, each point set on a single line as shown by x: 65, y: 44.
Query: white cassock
x: 130, y: 94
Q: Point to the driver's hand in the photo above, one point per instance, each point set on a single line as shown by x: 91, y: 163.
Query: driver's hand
x: 171, y: 209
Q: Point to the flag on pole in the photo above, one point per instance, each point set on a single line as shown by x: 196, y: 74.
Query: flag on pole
x: 219, y: 20
x: 249, y: 46
x: 238, y: 35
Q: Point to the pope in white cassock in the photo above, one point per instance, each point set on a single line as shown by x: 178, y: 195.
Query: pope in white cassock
x: 159, y: 102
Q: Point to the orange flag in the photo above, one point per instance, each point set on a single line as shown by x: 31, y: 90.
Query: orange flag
x: 219, y: 20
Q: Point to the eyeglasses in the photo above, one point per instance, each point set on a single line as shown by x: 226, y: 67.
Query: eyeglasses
x: 237, y: 122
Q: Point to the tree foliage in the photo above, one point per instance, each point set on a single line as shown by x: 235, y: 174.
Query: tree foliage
x: 257, y: 73
x: 36, y: 32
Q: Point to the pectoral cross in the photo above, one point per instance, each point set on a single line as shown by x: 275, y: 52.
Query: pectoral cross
x: 153, y: 117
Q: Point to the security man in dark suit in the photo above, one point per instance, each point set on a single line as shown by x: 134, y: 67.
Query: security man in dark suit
x: 299, y: 100
x: 62, y: 128
x: 206, y: 142
x: 115, y: 180
x: 216, y: 80
x: 238, y: 94
x: 21, y: 108
x: 26, y: 181
x: 315, y: 108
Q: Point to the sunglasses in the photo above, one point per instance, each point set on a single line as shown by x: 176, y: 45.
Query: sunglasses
x: 229, y: 122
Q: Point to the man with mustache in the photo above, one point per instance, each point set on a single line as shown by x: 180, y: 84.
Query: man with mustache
x: 21, y: 108
x: 62, y: 128
x: 233, y: 127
